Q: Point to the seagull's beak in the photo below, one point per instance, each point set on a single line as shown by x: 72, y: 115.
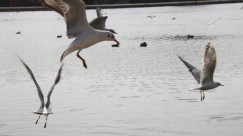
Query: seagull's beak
x: 116, y: 41
x: 221, y: 85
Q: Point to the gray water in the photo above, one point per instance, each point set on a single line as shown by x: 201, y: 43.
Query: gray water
x: 126, y: 91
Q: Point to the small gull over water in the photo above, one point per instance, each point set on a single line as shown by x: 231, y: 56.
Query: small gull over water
x: 205, y: 77
x: 45, y: 108
x: 212, y: 23
x: 100, y: 20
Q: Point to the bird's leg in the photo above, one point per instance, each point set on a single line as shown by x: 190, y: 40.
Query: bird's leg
x: 37, y: 119
x: 46, y: 121
x: 201, y: 95
x: 84, y: 63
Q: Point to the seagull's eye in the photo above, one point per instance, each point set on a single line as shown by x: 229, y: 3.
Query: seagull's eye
x: 108, y: 35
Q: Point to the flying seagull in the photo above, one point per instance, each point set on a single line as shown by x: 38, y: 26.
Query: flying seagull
x: 100, y: 20
x: 78, y: 27
x: 205, y: 77
x: 212, y: 23
x: 45, y: 108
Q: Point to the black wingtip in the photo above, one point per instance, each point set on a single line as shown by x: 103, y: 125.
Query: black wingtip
x: 62, y: 57
x: 179, y: 57
x: 25, y: 65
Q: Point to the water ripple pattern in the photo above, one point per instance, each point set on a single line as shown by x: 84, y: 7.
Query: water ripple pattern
x: 129, y: 90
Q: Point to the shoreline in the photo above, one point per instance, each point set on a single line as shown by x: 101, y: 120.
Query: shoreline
x: 133, y: 5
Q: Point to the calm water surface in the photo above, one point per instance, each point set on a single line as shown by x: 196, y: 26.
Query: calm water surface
x: 126, y: 91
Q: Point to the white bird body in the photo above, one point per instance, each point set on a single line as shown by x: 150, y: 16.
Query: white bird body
x: 206, y: 86
x: 205, y: 77
x: 78, y: 27
x: 45, y: 108
x: 85, y: 40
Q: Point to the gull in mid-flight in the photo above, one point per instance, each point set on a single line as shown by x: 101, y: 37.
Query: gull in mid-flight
x: 100, y: 20
x: 45, y: 108
x: 212, y: 23
x: 205, y: 77
x: 78, y: 27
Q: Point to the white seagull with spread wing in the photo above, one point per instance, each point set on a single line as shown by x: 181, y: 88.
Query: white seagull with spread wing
x: 99, y: 22
x: 45, y: 108
x: 78, y: 27
x: 205, y: 77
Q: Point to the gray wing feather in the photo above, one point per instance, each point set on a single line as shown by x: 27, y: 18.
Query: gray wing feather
x: 51, y: 4
x: 74, y: 13
x: 209, y: 64
x: 99, y: 22
x: 217, y: 20
x: 52, y: 87
x: 192, y: 69
x: 100, y: 12
x: 36, y: 84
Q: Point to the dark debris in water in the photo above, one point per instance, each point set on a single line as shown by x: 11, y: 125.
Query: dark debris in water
x: 59, y: 36
x: 115, y: 45
x: 221, y: 118
x: 187, y: 37
x: 181, y: 37
x: 144, y: 44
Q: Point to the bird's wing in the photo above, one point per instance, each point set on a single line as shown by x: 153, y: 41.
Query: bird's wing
x: 100, y: 12
x: 217, y: 20
x: 193, y: 70
x: 52, y: 87
x: 36, y: 84
x: 51, y: 4
x: 204, y: 23
x: 209, y: 64
x: 99, y: 22
x: 74, y: 13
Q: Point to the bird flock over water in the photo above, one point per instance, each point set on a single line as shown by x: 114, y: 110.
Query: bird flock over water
x: 88, y: 34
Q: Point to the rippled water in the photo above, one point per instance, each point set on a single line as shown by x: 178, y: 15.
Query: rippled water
x: 128, y: 91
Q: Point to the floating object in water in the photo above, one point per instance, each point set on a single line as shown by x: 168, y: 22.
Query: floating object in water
x: 173, y: 18
x: 151, y: 16
x: 144, y: 44
x: 205, y: 77
x: 18, y: 32
x: 59, y: 36
x: 190, y: 36
x: 115, y: 45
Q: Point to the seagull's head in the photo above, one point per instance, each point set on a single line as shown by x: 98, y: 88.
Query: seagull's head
x: 110, y: 37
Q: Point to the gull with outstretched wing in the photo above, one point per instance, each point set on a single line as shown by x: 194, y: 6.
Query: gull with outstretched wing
x: 205, y: 77
x: 100, y: 20
x: 74, y: 13
x: 45, y: 108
